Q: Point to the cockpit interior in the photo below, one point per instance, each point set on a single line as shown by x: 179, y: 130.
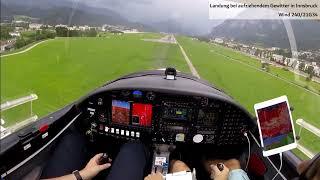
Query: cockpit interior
x: 193, y: 119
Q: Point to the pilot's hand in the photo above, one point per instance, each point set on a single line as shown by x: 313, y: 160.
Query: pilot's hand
x: 93, y: 167
x: 216, y: 174
x: 154, y: 176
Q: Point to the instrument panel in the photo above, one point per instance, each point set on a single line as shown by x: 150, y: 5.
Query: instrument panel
x: 164, y: 118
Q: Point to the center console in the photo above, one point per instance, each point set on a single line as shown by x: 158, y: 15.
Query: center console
x: 164, y: 118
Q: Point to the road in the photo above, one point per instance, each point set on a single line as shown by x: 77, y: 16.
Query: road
x: 186, y: 58
x: 166, y: 39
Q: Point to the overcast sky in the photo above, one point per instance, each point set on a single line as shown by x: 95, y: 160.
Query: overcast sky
x: 189, y: 13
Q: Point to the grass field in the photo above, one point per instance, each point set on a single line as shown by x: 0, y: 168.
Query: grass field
x: 297, y: 79
x: 249, y: 85
x: 62, y: 70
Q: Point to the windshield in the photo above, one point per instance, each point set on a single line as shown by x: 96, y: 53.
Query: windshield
x: 54, y: 52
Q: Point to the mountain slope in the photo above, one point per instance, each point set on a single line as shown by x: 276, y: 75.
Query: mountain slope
x: 62, y: 13
x: 270, y: 33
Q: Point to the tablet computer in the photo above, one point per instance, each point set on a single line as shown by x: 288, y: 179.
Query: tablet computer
x: 276, y: 127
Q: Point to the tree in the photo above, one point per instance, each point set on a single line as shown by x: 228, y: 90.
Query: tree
x: 310, y: 71
x: 4, y: 30
x: 62, y: 31
x: 203, y: 38
x: 258, y: 52
x: 265, y: 66
x: 48, y: 34
x: 285, y: 53
x: 92, y: 32
x: 20, y: 43
x: 302, y: 66
x: 74, y: 33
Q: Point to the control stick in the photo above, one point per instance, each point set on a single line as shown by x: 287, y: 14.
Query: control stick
x: 104, y: 159
x: 220, y: 166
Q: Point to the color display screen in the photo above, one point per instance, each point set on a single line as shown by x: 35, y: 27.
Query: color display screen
x: 120, y: 112
x: 276, y: 127
x: 142, y: 114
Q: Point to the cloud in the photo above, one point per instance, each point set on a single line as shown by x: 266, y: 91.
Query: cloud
x: 188, y: 13
x: 116, y: 3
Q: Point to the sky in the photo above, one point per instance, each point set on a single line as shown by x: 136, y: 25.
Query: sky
x: 190, y: 14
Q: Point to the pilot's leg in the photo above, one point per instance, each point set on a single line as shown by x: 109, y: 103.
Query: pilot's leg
x: 69, y: 155
x: 178, y: 166
x: 231, y: 163
x: 130, y: 162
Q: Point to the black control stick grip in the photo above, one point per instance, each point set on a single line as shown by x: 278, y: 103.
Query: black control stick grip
x: 104, y: 159
x: 220, y: 166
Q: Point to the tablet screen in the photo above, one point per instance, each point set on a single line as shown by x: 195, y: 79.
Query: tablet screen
x: 275, y: 123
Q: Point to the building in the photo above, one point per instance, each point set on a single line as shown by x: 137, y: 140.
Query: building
x: 296, y: 64
x: 252, y: 51
x: 295, y: 54
x: 18, y: 28
x: 131, y: 31
x: 289, y: 61
x: 218, y: 40
x: 231, y: 45
x: 316, y: 71
x: 275, y: 48
x: 84, y: 28
x: 278, y: 58
x: 7, y: 45
x: 15, y: 34
x: 306, y: 65
x: 73, y: 28
x: 20, y: 21
x: 116, y: 32
x: 61, y: 25
x: 244, y: 46
x: 35, y: 26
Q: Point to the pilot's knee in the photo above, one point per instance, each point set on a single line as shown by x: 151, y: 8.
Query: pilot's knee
x: 133, y: 145
x: 178, y: 166
x: 233, y: 164
x: 133, y: 148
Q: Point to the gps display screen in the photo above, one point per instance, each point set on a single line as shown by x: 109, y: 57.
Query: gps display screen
x: 120, y: 112
x: 276, y: 127
x: 176, y: 113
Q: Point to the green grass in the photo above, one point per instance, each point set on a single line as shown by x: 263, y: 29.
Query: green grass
x: 248, y: 85
x: 300, y: 154
x: 62, y: 70
x: 29, y: 33
x: 297, y: 79
x: 17, y: 114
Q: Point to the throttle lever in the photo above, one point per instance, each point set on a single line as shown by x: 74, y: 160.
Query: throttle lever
x: 104, y: 159
x: 220, y: 166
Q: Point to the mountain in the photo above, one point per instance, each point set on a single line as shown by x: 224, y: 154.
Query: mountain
x: 64, y: 12
x: 111, y: 12
x: 270, y: 33
x: 170, y: 26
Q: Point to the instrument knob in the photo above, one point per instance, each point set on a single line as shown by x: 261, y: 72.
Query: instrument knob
x: 198, y: 138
